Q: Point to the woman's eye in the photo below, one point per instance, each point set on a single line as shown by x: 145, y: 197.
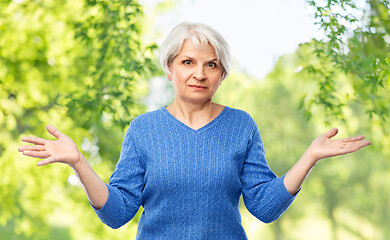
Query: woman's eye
x: 211, y: 65
x: 187, y: 62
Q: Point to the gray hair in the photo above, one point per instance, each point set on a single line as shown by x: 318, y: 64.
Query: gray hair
x: 199, y: 34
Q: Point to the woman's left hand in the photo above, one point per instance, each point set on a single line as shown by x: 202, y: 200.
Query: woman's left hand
x: 324, y: 147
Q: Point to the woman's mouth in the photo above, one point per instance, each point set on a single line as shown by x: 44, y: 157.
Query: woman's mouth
x: 197, y: 87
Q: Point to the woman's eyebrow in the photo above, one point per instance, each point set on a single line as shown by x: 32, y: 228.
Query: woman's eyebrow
x: 186, y: 56
x: 191, y: 58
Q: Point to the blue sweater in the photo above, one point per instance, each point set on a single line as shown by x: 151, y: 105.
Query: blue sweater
x: 189, y: 181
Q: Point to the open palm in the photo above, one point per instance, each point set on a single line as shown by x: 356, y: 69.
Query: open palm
x: 324, y: 147
x: 62, y: 150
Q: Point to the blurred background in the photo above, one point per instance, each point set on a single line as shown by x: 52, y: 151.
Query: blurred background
x: 300, y: 67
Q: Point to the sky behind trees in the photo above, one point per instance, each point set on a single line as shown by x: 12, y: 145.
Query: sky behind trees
x: 258, y: 32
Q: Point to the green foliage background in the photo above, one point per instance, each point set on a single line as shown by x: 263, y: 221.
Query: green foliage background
x: 83, y: 66
x: 74, y: 64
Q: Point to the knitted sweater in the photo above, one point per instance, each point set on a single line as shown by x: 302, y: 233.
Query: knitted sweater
x: 189, y: 181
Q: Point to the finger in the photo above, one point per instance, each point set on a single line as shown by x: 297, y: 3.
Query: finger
x: 365, y: 143
x: 331, y: 133
x: 46, y: 161
x: 354, y: 146
x: 31, y: 148
x: 54, y: 131
x: 34, y: 140
x: 36, y: 154
x: 352, y: 139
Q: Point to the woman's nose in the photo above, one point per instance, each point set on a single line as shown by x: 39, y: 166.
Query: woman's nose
x: 199, y: 73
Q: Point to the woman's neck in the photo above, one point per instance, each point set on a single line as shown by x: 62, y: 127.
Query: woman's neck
x: 195, y: 115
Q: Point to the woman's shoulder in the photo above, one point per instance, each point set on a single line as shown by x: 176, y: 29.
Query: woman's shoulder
x: 240, y: 115
x: 146, y: 118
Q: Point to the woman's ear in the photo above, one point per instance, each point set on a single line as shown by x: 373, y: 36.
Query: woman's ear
x: 169, y: 76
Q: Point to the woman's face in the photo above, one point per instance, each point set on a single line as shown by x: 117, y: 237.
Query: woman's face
x: 195, y: 72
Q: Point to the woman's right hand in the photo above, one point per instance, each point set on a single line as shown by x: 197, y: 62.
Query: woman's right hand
x: 62, y: 150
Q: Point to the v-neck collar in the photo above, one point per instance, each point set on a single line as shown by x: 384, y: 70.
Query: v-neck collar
x: 186, y: 127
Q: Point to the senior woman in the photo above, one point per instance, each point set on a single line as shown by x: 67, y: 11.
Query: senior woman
x: 188, y: 163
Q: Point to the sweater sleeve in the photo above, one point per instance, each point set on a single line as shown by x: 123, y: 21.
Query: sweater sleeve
x: 264, y: 194
x: 125, y: 186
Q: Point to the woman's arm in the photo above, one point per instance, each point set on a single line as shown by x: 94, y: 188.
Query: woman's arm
x: 64, y: 150
x: 322, y: 147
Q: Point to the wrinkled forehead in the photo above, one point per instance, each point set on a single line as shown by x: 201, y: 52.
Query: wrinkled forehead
x: 200, y: 41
